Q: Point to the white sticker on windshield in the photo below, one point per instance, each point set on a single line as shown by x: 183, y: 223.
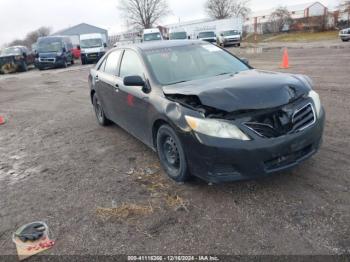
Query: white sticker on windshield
x: 212, y: 48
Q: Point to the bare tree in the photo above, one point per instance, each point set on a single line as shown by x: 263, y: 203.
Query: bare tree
x: 221, y: 9
x: 344, y: 8
x: 144, y: 13
x: 279, y: 18
x: 32, y: 37
x: 240, y: 8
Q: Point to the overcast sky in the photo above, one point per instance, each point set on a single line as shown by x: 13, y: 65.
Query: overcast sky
x: 17, y: 17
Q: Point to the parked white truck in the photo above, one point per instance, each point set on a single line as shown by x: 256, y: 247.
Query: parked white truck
x: 229, y: 37
x: 92, y: 48
x: 152, y: 34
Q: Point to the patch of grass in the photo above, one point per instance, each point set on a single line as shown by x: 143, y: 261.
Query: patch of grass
x: 176, y: 202
x: 125, y: 211
x: 294, y: 37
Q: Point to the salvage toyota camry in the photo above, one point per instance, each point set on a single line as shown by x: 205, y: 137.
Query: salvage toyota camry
x: 206, y: 112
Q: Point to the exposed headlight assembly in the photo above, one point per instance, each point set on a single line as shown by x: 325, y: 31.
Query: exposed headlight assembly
x: 216, y: 128
x: 317, y: 102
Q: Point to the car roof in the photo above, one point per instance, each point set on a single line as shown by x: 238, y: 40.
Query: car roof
x: 164, y: 44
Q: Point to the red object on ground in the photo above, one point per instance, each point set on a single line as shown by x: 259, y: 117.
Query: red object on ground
x: 2, y: 120
x: 285, y: 61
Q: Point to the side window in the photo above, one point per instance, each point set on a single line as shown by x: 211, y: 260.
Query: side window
x: 102, y: 65
x: 131, y: 65
x: 111, y: 63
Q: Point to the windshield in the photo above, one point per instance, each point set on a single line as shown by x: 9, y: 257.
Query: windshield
x: 50, y: 46
x: 90, y: 43
x: 152, y: 37
x: 11, y: 51
x: 178, y: 35
x: 206, y: 34
x: 185, y: 63
x: 231, y: 32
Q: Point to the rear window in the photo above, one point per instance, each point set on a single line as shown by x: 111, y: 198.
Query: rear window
x: 206, y: 34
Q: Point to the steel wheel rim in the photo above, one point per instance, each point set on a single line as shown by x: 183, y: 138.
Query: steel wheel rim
x: 171, y: 153
x: 98, y: 110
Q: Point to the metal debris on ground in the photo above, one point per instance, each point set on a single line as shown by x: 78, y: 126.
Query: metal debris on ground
x: 2, y: 120
x: 32, y: 239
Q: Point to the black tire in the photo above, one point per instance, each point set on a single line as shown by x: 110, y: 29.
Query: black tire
x: 171, y: 154
x: 100, y: 115
x: 24, y: 67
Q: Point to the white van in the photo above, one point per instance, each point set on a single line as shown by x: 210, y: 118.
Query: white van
x: 152, y: 34
x: 92, y: 48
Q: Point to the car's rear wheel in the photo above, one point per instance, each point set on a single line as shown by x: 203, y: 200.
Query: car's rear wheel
x: 100, y: 115
x: 171, y: 154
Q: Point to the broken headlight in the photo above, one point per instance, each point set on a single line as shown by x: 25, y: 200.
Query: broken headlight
x: 317, y: 102
x: 216, y: 128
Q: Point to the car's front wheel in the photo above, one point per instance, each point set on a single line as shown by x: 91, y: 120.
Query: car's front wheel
x: 100, y: 115
x: 171, y: 154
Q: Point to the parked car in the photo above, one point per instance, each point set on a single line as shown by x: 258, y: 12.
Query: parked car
x: 229, y: 37
x: 152, y: 34
x: 54, y: 51
x: 208, y: 36
x: 345, y: 34
x: 205, y: 112
x: 15, y: 59
x: 92, y: 48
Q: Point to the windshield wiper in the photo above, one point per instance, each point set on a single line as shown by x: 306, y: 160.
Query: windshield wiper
x: 183, y: 81
x: 226, y: 73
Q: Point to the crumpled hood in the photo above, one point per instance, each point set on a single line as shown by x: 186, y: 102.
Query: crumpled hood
x: 247, y: 90
x: 9, y: 55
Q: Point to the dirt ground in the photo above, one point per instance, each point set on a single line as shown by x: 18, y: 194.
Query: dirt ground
x: 101, y: 191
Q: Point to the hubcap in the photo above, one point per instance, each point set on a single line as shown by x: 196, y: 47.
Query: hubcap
x: 171, y: 152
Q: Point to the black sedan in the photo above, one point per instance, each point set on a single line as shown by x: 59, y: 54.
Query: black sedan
x: 206, y: 112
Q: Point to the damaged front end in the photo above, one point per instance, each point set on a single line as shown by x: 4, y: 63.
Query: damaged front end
x: 267, y: 123
x: 8, y: 65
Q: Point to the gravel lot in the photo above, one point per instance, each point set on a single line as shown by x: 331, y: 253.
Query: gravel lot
x: 101, y: 191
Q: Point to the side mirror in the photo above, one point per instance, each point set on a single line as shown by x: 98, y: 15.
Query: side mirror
x: 245, y: 60
x: 134, y: 81
x: 78, y: 47
x: 104, y: 44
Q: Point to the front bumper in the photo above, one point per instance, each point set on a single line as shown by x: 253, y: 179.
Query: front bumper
x: 345, y: 37
x: 51, y: 62
x: 232, y: 41
x: 223, y: 160
x: 92, y: 57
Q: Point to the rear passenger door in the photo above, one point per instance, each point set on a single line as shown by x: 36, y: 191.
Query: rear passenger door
x: 108, y: 91
x: 134, y: 102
